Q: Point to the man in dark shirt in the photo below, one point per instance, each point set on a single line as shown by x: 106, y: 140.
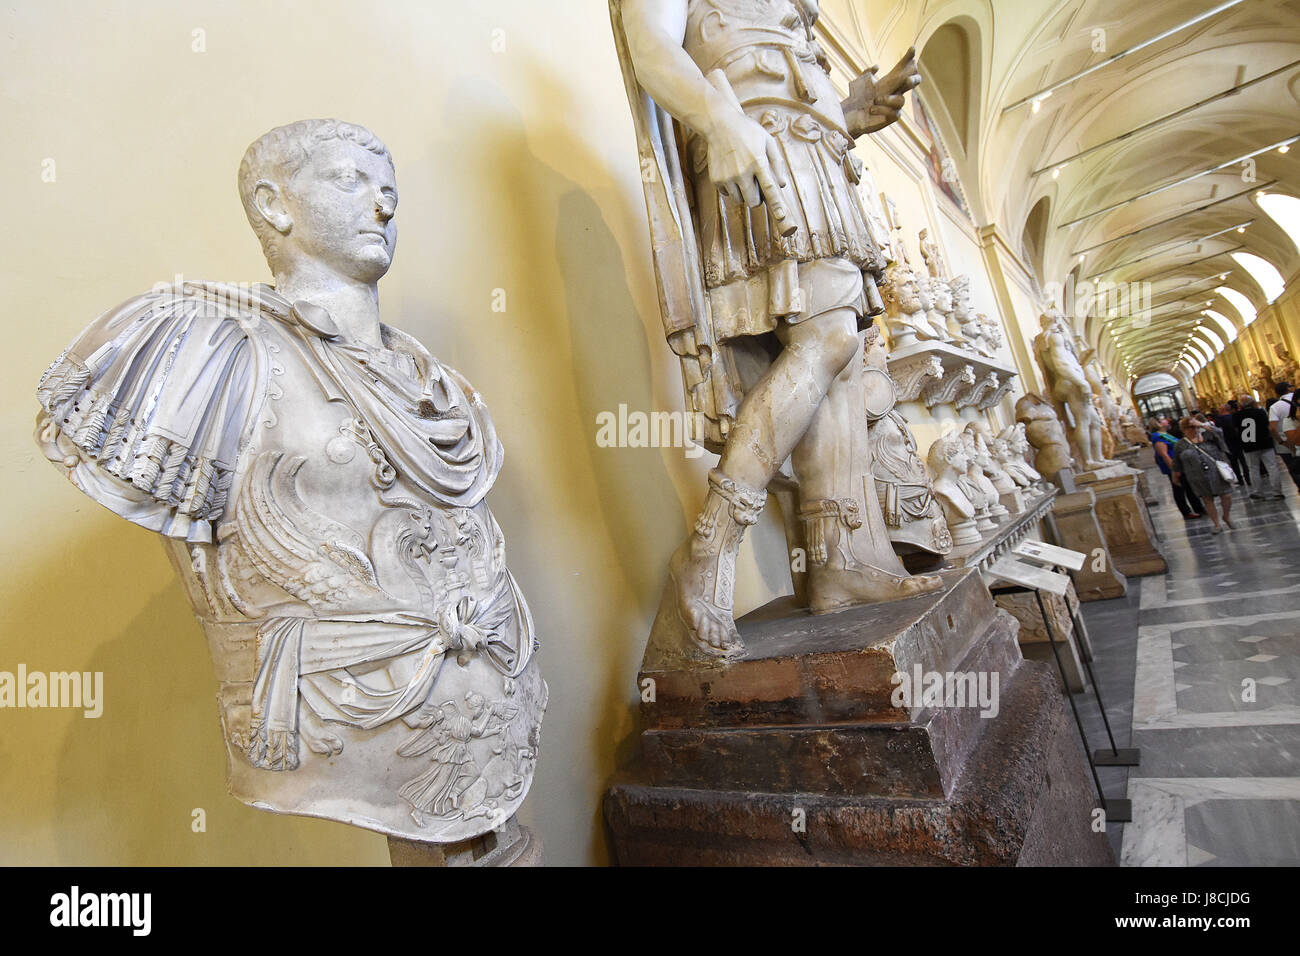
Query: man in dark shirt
x: 1224, y: 419
x: 1250, y: 429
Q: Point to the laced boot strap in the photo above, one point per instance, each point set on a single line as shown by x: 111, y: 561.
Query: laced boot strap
x: 729, y: 509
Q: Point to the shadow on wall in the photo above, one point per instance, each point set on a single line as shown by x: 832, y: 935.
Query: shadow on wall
x: 124, y: 786
x: 588, y: 529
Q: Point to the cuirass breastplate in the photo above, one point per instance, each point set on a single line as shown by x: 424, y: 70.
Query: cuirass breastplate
x: 767, y: 51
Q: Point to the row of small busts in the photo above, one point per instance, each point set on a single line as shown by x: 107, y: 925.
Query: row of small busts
x: 931, y: 308
x: 977, y: 475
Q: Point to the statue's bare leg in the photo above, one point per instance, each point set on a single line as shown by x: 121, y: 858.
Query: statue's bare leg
x: 850, y: 557
x: 772, y: 419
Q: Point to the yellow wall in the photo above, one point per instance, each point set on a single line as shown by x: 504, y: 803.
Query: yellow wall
x: 517, y: 171
x: 1228, y: 374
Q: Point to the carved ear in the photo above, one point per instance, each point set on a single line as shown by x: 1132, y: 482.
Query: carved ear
x: 270, y: 205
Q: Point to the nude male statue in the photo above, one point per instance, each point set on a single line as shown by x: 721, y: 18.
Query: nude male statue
x: 1068, y: 387
x: 765, y: 279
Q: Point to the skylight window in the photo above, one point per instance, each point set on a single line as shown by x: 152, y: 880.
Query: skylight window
x: 1225, y: 326
x: 1239, y: 302
x: 1263, y: 272
x: 1283, y: 210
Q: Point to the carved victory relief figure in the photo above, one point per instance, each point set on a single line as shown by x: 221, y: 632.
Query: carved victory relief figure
x: 907, y: 501
x: 319, y: 480
x: 1068, y: 387
x: 767, y: 270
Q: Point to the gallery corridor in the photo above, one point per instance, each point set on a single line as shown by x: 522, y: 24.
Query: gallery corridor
x: 1204, y: 661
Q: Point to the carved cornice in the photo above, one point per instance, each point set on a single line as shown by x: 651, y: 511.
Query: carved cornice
x: 1011, y: 532
x: 942, y: 374
x: 977, y: 391
x: 910, y: 375
x: 944, y: 391
x: 995, y: 397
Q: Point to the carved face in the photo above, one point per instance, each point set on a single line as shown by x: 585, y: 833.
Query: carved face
x: 341, y: 204
x: 961, y: 302
x: 958, y: 457
x: 942, y: 295
x: 925, y: 294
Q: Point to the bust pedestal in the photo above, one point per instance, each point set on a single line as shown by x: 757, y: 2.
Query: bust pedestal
x: 1076, y: 527
x: 1125, y: 522
x: 794, y: 754
x: 508, y: 845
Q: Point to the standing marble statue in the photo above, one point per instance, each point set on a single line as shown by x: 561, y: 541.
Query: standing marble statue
x: 1068, y: 387
x: 1111, y: 433
x: 1286, y: 370
x: 319, y: 481
x: 767, y: 270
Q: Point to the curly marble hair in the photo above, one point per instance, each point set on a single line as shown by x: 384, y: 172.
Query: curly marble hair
x: 276, y: 155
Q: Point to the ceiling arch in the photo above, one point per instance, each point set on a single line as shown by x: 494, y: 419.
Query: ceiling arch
x: 1145, y: 166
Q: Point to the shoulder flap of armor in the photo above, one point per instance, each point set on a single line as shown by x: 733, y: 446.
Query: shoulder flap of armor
x: 162, y: 392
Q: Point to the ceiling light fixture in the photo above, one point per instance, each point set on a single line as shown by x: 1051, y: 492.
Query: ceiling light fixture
x: 1181, y: 182
x: 1037, y: 98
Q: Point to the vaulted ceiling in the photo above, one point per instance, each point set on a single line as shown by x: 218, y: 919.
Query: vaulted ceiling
x: 1120, y: 170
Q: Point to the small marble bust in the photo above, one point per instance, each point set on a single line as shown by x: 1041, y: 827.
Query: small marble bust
x: 949, y: 465
x: 987, y: 500
x: 320, y: 482
x: 1010, y: 448
x: 939, y: 307
x: 982, y: 437
x: 907, y: 306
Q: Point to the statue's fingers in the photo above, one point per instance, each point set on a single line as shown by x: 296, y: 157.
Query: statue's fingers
x: 749, y: 191
x: 775, y: 200
x: 776, y: 160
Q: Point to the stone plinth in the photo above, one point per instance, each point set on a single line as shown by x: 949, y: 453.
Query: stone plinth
x: 1013, y: 501
x: 1034, y: 642
x: 1076, y: 527
x: 1126, y: 525
x: 1140, y: 459
x: 796, y: 755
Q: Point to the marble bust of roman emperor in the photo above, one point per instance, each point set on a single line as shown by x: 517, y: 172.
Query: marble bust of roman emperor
x: 319, y: 481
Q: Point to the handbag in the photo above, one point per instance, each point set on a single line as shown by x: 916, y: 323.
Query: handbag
x: 1225, y: 469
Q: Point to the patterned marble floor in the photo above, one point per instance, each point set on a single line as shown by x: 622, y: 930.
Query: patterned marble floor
x: 1200, y: 669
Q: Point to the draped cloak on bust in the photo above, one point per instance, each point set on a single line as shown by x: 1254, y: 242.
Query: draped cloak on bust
x: 165, y: 410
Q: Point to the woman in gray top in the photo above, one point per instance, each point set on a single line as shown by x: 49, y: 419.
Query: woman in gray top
x: 1196, y: 467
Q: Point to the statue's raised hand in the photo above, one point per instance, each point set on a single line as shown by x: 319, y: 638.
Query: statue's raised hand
x: 875, y: 102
